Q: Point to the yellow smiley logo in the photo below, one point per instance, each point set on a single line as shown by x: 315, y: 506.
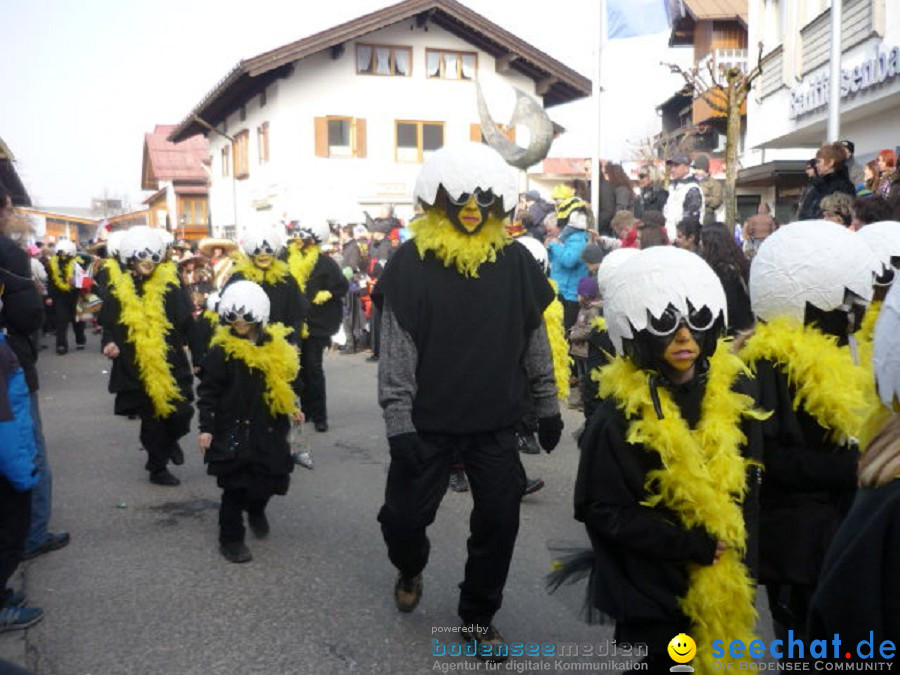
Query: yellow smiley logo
x: 682, y: 648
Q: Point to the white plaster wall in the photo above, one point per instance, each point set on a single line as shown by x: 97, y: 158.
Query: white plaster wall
x: 298, y: 185
x: 863, y: 118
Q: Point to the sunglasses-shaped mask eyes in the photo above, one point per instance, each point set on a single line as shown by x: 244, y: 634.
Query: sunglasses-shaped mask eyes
x: 146, y: 254
x: 697, y: 320
x: 263, y: 249
x: 234, y: 317
x: 483, y: 199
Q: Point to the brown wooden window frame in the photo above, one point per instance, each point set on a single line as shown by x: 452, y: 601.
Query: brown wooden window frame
x: 262, y: 143
x: 357, y: 133
x: 442, y: 65
x: 392, y: 59
x: 225, y: 157
x: 195, y: 208
x: 241, y: 154
x: 420, y: 133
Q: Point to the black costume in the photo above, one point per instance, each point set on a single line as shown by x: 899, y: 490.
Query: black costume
x: 288, y: 305
x: 159, y: 435
x: 231, y: 405
x: 808, y: 485
x: 64, y: 302
x: 459, y: 355
x: 323, y: 321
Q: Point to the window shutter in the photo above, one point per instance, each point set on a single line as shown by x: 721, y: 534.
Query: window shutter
x: 360, y: 138
x: 475, y: 133
x: 321, y: 125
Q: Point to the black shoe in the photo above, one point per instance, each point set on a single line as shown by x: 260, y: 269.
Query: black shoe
x: 532, y: 485
x: 259, y: 524
x: 62, y: 350
x: 177, y: 455
x: 408, y: 592
x: 235, y: 551
x: 321, y: 425
x: 163, y: 477
x: 53, y: 542
x: 372, y: 359
x: 490, y: 644
x: 79, y: 347
x: 458, y: 481
x: 527, y: 444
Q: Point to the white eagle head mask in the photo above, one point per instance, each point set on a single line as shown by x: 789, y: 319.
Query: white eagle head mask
x: 244, y: 301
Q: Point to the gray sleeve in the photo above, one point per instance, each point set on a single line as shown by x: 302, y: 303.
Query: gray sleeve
x: 539, y: 368
x: 396, y: 374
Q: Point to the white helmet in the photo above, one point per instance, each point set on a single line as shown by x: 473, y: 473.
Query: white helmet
x: 647, y: 284
x: 610, y: 265
x: 884, y: 240
x: 66, y: 247
x: 318, y: 232
x: 244, y: 299
x: 114, y: 243
x: 811, y: 262
x: 266, y: 239
x: 212, y: 301
x: 538, y: 250
x: 142, y: 242
x: 464, y: 168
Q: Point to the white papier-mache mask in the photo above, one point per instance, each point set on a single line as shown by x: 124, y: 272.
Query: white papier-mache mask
x: 811, y: 261
x: 647, y: 283
x: 245, y: 300
x: 66, y: 247
x: 463, y: 168
x: 318, y: 232
x: 884, y: 239
x: 886, y: 349
x: 114, y: 243
x: 267, y: 239
x: 536, y: 249
x: 610, y: 265
x: 142, y: 241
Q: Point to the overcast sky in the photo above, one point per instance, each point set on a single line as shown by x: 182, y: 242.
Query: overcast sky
x: 84, y: 80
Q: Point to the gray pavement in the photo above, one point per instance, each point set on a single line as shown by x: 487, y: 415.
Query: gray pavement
x: 143, y: 589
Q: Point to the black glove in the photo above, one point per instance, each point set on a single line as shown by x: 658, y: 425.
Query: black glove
x: 405, y: 450
x: 549, y: 431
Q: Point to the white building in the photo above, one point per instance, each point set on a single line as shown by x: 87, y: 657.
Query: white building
x: 788, y: 112
x: 339, y: 122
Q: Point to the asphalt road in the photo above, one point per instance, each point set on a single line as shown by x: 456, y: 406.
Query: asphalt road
x: 143, y: 589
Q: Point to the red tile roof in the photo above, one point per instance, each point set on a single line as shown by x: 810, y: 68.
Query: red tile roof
x: 164, y: 160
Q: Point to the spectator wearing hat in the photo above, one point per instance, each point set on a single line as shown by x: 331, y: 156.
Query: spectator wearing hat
x: 592, y: 256
x: 855, y: 170
x: 685, y: 196
x: 536, y: 210
x: 710, y: 187
x: 564, y: 250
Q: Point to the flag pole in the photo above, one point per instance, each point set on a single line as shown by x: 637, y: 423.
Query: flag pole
x: 595, y: 93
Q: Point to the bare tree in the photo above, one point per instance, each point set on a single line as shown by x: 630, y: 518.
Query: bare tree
x: 725, y: 92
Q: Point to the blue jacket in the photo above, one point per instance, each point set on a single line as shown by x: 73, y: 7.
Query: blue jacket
x: 17, y: 442
x: 566, y: 268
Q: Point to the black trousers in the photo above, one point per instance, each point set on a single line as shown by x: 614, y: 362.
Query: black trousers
x: 376, y: 330
x: 15, y: 517
x: 231, y: 514
x: 63, y: 315
x: 312, y: 375
x: 159, y: 436
x: 497, y: 480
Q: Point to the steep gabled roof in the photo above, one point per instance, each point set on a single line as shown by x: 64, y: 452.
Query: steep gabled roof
x: 164, y: 160
x: 249, y: 77
x: 705, y: 10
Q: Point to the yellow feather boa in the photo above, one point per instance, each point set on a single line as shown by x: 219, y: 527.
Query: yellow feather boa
x: 467, y: 252
x: 147, y: 325
x: 559, y: 347
x: 275, y: 358
x: 272, y: 275
x: 61, y: 283
x: 211, y: 317
x: 321, y: 297
x: 703, y: 481
x: 599, y: 323
x: 827, y: 384
x: 109, y: 263
x: 301, y: 263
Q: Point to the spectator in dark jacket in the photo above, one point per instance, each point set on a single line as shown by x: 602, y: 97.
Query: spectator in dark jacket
x: 652, y: 196
x: 615, y: 174
x: 831, y: 177
x: 537, y: 210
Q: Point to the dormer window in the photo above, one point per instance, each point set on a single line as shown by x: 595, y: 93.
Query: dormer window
x: 383, y: 60
x: 450, y: 65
